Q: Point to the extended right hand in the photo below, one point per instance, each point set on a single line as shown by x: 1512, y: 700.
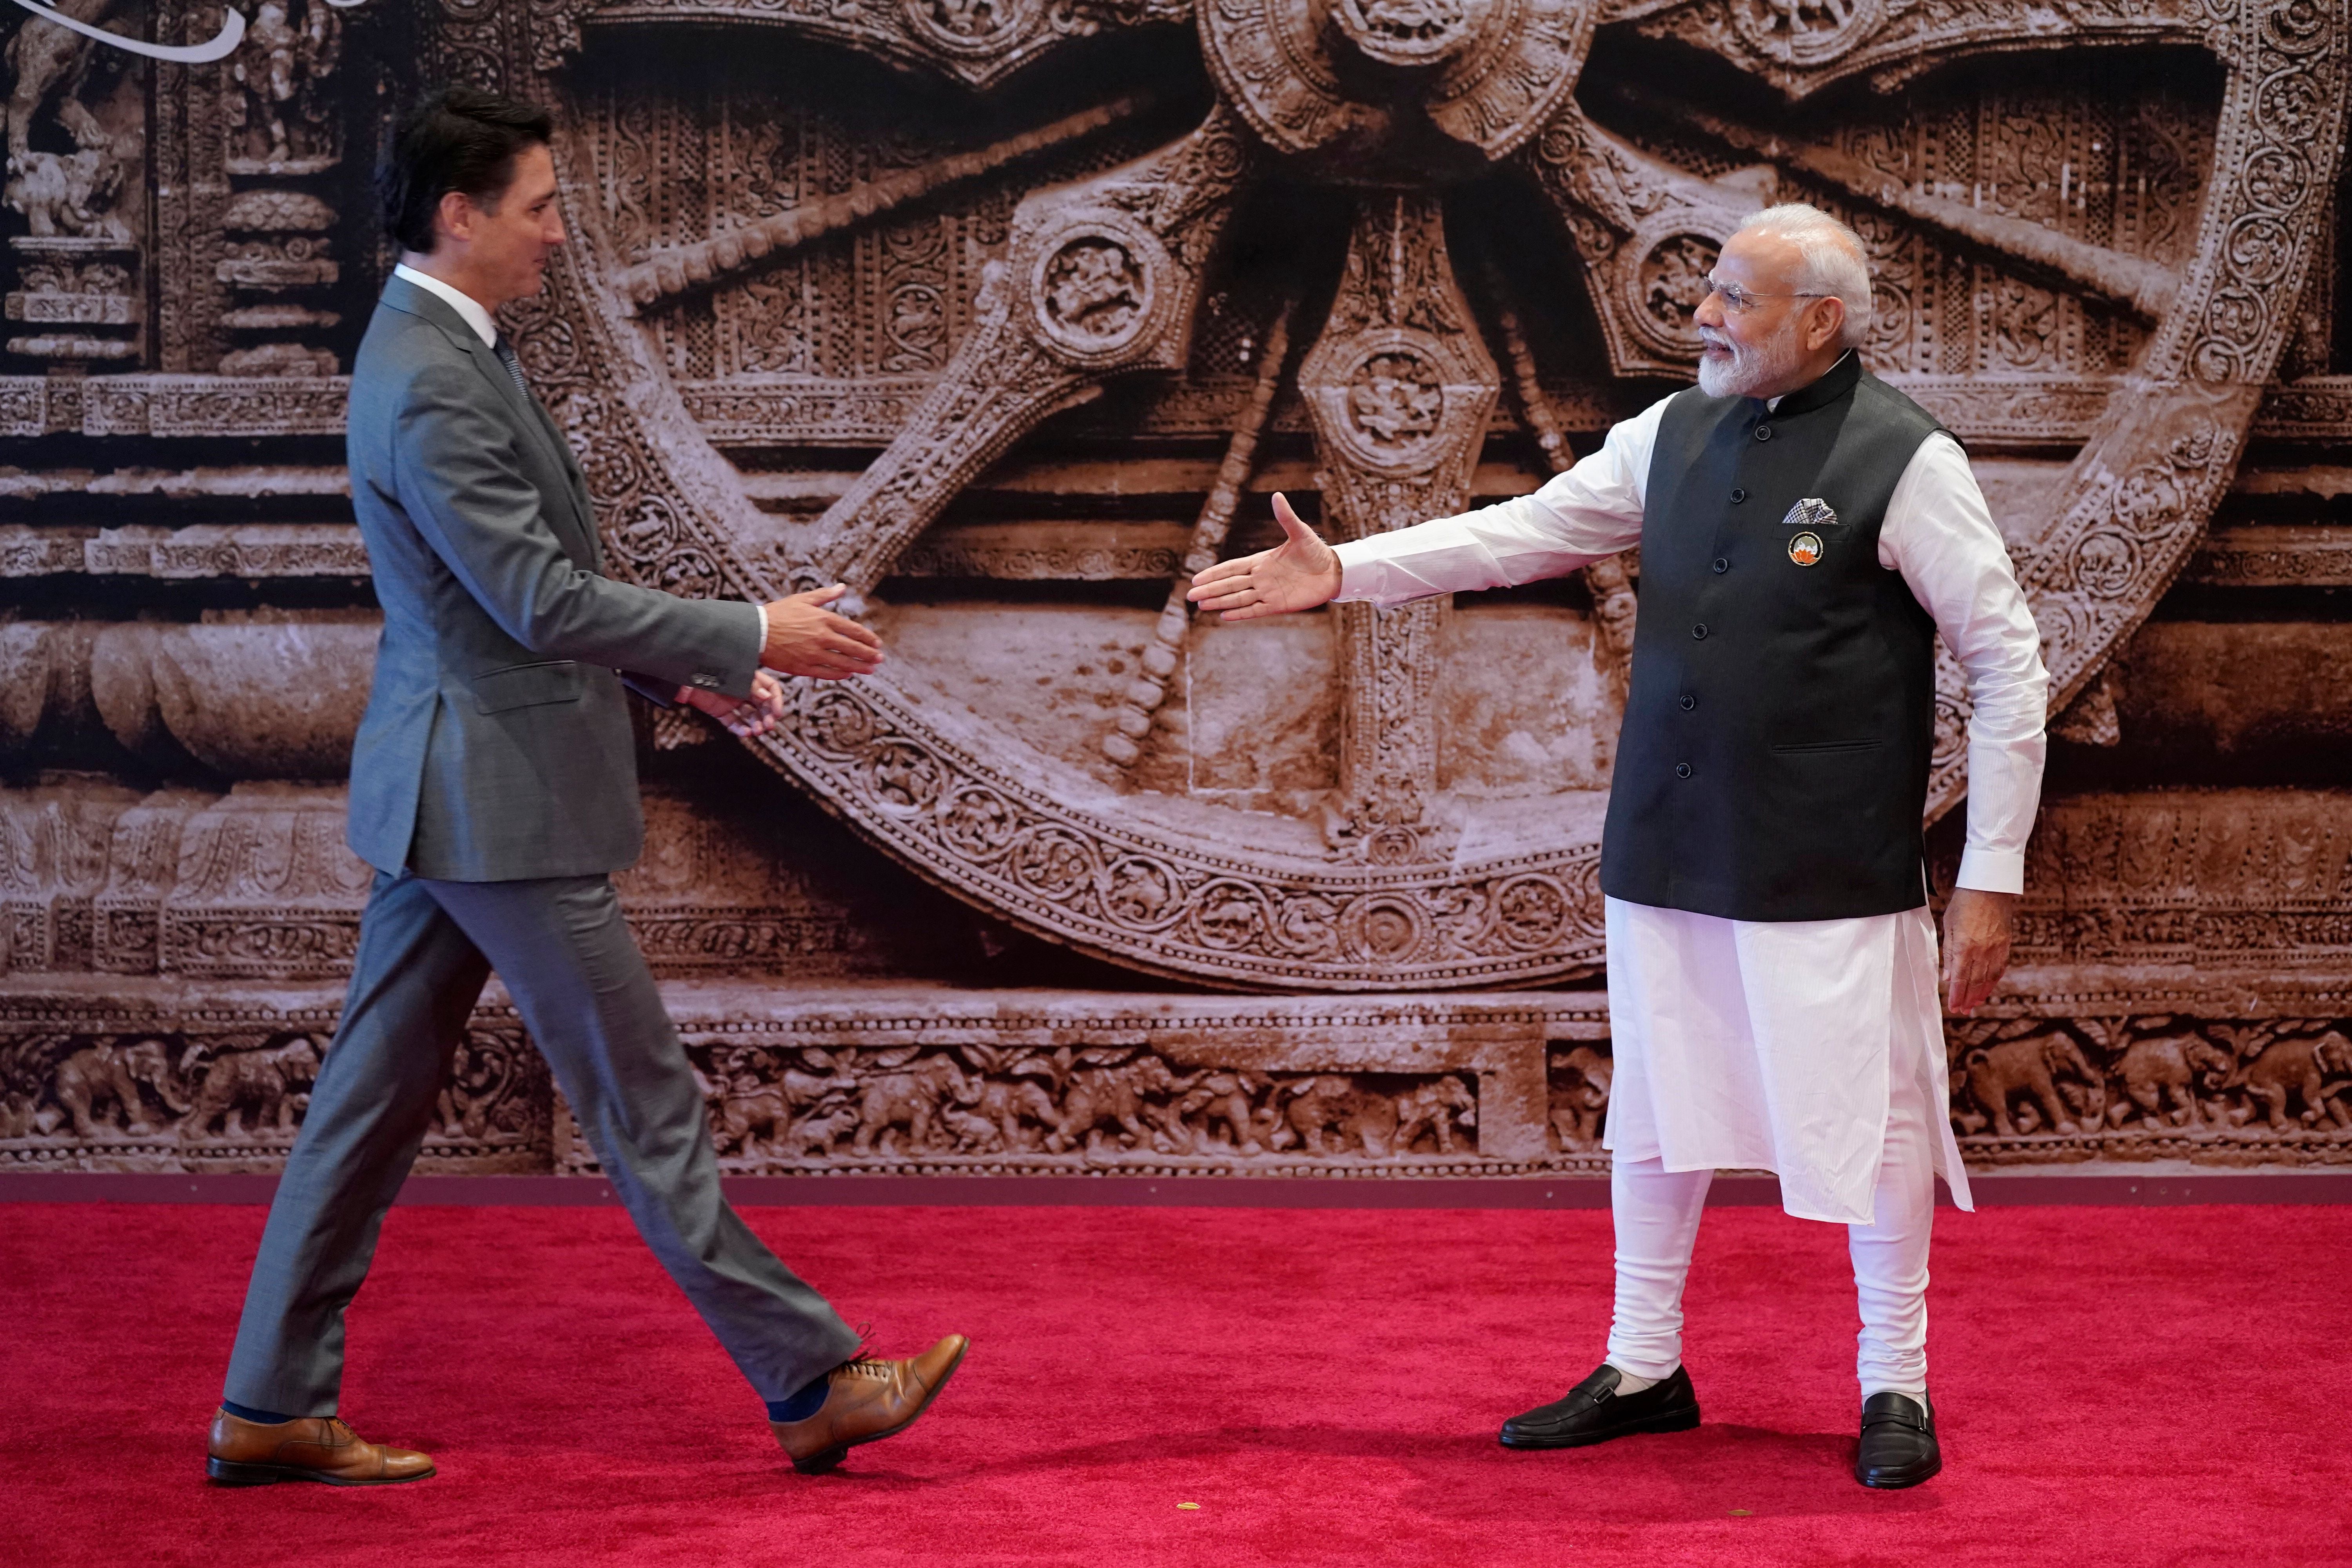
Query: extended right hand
x: 806, y: 638
x: 1299, y: 573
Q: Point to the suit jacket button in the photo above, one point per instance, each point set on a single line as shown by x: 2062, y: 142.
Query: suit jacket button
x: 1763, y: 432
x: 1699, y: 631
x: 1689, y: 702
x: 1682, y: 770
x: 706, y: 682
x: 1738, y: 495
x: 1723, y: 563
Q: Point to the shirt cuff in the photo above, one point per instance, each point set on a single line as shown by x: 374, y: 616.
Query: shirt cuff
x: 1355, y: 575
x: 1991, y: 870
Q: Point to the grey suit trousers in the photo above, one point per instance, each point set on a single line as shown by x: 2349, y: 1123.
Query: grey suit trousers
x: 426, y: 950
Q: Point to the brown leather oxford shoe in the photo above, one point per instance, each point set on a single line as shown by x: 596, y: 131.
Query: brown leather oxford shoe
x: 308, y: 1449
x: 868, y: 1400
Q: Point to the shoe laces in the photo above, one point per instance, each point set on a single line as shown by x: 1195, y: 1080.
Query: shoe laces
x: 861, y: 1364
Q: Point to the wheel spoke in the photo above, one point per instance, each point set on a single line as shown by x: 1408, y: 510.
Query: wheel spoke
x: 977, y: 44
x: 1609, y: 581
x: 1648, y: 232
x: 1101, y: 277
x: 1168, y: 633
x: 1399, y: 390
x: 672, y: 271
x: 2132, y: 281
x: 1803, y: 46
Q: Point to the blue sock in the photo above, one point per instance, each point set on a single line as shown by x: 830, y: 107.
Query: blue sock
x: 246, y: 1413
x: 804, y: 1405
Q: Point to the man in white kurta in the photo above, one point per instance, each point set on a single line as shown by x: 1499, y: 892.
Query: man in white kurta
x: 1812, y: 1047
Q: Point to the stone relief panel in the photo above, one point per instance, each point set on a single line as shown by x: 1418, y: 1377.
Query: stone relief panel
x: 2093, y: 240
x: 1016, y: 363
x: 1071, y: 1082
x: 1097, y: 1105
x: 149, y: 1081
x: 2212, y: 1091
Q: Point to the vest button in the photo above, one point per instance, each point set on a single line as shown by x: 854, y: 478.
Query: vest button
x: 1682, y: 770
x: 1699, y: 631
x: 1763, y: 432
x: 1689, y: 702
x: 1723, y: 563
x: 1738, y: 496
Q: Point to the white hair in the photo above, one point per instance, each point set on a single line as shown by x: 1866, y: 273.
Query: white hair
x: 1831, y: 260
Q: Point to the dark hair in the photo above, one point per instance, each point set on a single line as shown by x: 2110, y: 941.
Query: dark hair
x: 460, y: 139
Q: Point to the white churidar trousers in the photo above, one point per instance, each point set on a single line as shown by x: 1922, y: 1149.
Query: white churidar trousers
x: 1657, y: 1212
x: 1809, y: 1048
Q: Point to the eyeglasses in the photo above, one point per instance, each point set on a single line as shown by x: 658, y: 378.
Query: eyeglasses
x: 1739, y: 301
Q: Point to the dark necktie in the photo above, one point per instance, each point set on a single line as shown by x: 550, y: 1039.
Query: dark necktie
x: 505, y: 351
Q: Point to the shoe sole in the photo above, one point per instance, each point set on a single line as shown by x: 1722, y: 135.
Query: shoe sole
x: 1895, y: 1480
x: 823, y: 1459
x: 1667, y: 1420
x: 230, y: 1473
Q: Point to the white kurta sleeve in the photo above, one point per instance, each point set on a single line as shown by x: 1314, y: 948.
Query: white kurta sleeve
x: 1593, y: 510
x: 1940, y: 536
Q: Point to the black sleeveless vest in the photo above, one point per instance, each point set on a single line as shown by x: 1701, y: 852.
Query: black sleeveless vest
x: 1773, y: 762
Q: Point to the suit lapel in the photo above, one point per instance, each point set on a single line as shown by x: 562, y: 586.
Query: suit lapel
x: 402, y: 295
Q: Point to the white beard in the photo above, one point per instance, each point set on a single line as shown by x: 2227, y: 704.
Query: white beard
x: 1768, y: 363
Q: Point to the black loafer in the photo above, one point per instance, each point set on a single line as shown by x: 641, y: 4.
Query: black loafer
x: 1898, y: 1442
x: 1595, y: 1412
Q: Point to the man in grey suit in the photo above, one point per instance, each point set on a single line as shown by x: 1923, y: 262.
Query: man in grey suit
x: 494, y: 790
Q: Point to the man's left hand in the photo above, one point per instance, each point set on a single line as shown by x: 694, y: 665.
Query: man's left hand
x: 1977, y: 929
x: 753, y: 715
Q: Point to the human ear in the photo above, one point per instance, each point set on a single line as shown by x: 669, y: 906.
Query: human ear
x: 454, y: 215
x: 1828, y: 320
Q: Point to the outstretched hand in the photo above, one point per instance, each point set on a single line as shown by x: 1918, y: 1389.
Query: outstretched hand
x: 746, y: 716
x: 806, y: 638
x: 1299, y: 573
x: 1977, y: 926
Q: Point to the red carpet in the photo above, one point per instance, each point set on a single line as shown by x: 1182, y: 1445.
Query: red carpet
x: 2117, y: 1387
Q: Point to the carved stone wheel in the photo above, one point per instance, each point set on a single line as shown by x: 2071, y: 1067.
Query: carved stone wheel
x: 1393, y: 873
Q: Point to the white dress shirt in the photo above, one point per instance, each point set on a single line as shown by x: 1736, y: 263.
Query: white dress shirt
x: 1774, y: 1045
x: 475, y: 313
x: 1938, y: 532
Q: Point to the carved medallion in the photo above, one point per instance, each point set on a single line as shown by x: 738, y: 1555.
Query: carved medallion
x: 1805, y: 32
x: 1093, y: 296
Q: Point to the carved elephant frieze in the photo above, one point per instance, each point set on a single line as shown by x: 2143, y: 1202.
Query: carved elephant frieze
x: 259, y: 1090
x: 2163, y: 1074
x: 87, y: 1081
x: 2048, y: 1070
x: 2312, y: 1072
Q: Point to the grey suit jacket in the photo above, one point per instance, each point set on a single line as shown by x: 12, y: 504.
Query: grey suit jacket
x: 496, y: 745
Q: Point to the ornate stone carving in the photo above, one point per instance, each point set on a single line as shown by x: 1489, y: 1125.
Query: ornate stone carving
x: 1400, y: 389
x: 1073, y: 1106
x: 1484, y: 77
x: 2214, y: 1092
x: 1802, y: 46
x: 280, y: 109
x: 1071, y: 1082
x: 978, y: 42
x: 952, y: 272
x: 152, y: 1078
x: 1100, y: 278
x: 76, y: 146
x: 1642, y: 223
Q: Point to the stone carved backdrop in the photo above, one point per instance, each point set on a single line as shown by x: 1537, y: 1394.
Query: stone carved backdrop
x: 1011, y: 316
